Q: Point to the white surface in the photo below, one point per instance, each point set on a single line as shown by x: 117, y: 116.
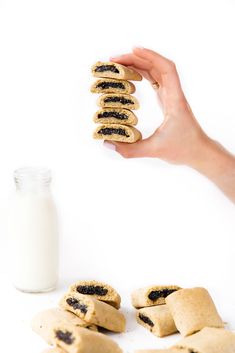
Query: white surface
x: 128, y: 222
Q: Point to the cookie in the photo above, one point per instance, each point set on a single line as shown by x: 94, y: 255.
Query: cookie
x: 109, y: 85
x: 80, y: 340
x: 44, y: 321
x: 209, y: 340
x: 114, y: 70
x: 192, y: 310
x: 117, y: 100
x: 115, y: 116
x: 151, y: 295
x: 157, y: 319
x: 117, y: 132
x: 94, y: 311
x: 98, y: 290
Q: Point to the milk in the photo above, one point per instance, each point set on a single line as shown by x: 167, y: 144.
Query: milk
x: 33, y: 232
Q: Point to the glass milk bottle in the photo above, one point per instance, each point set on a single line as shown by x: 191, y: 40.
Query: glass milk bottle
x: 33, y: 232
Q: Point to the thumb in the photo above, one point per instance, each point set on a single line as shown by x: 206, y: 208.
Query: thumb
x: 142, y: 148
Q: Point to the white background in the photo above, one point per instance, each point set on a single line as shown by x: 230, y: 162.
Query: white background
x: 128, y: 222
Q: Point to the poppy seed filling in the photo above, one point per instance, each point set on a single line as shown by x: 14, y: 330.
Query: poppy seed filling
x: 103, y: 68
x: 146, y: 320
x: 111, y: 130
x: 92, y: 290
x: 162, y: 293
x: 76, y: 305
x: 113, y: 114
x: 66, y: 336
x: 121, y: 100
x: 105, y: 85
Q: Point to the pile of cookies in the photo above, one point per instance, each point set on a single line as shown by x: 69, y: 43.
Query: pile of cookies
x: 73, y: 327
x: 116, y: 102
x: 165, y: 310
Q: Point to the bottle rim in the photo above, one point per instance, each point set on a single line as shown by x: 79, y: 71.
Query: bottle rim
x: 33, y: 174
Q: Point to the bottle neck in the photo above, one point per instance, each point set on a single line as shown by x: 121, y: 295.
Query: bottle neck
x: 32, y: 179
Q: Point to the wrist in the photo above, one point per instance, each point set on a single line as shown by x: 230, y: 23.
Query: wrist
x: 214, y: 161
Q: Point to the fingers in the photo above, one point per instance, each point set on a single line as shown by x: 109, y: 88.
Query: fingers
x: 165, y: 67
x: 140, y: 65
x: 142, y: 148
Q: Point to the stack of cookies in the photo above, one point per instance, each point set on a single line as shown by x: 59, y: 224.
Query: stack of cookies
x: 73, y: 327
x: 116, y: 102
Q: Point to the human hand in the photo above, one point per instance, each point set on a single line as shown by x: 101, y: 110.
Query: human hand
x: 179, y: 138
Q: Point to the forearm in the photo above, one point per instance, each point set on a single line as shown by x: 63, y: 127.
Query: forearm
x: 217, y: 164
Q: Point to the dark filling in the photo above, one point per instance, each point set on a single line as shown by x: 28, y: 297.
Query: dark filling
x: 76, y: 305
x: 91, y: 290
x: 146, y: 320
x: 105, y: 85
x: 163, y: 293
x: 103, y: 68
x: 110, y: 131
x: 113, y: 114
x: 118, y: 99
x: 66, y: 337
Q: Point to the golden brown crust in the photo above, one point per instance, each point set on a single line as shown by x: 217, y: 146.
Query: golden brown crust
x: 127, y: 101
x: 94, y: 311
x: 209, y: 340
x: 157, y: 319
x: 111, y: 296
x: 132, y: 134
x: 131, y: 118
x: 192, y: 310
x: 124, y: 86
x: 124, y: 73
x: 140, y: 297
x: 83, y: 340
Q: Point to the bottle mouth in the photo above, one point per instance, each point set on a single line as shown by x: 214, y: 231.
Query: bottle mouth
x: 29, y: 176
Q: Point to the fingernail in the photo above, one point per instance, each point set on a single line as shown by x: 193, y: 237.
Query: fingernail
x: 138, y: 47
x: 109, y: 145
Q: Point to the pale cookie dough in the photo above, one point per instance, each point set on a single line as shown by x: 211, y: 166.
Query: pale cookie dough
x: 109, y: 85
x: 157, y: 319
x: 117, y: 132
x: 98, y: 290
x: 114, y: 70
x: 209, y: 340
x: 151, y: 295
x: 115, y: 116
x: 80, y: 340
x: 192, y: 310
x: 44, y: 322
x: 117, y: 100
x: 94, y: 311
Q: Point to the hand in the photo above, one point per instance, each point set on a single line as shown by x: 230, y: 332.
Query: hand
x: 179, y: 138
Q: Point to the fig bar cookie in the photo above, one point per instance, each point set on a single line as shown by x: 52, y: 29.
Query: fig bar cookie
x: 152, y: 295
x: 80, y: 340
x: 115, y: 116
x: 157, y: 319
x: 94, y: 311
x: 117, y: 100
x: 117, y: 132
x: 98, y: 290
x: 44, y: 322
x: 113, y: 70
x: 192, y: 310
x: 109, y: 85
x: 209, y: 340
